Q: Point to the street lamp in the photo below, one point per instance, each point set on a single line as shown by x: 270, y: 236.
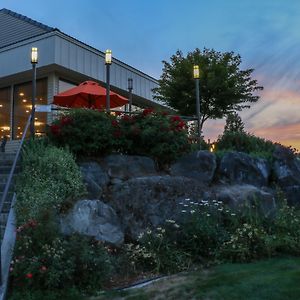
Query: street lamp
x: 34, y: 61
x: 130, y: 88
x: 196, y: 77
x: 108, y: 56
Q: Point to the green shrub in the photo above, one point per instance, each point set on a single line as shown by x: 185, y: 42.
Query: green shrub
x: 84, y: 131
x: 50, y: 179
x: 154, y: 134
x: 245, y: 142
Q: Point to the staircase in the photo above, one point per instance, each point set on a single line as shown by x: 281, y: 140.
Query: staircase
x: 7, y: 218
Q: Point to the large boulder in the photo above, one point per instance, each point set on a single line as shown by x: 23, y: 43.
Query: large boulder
x: 93, y: 218
x: 147, y: 202
x: 95, y: 179
x: 124, y: 167
x: 241, y: 168
x: 286, y: 167
x: 200, y: 165
x: 292, y: 195
x: 241, y: 198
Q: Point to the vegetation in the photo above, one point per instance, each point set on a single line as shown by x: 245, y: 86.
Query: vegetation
x: 224, y: 86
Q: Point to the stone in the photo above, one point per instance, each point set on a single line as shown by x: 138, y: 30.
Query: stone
x: 286, y: 167
x: 241, y: 168
x: 200, y: 165
x: 292, y: 195
x: 93, y: 218
x: 242, y: 197
x: 147, y: 202
x: 127, y: 166
x: 95, y: 179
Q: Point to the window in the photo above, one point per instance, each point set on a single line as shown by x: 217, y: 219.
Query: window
x: 5, y: 112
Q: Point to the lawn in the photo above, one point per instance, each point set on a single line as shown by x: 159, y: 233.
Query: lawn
x: 269, y: 279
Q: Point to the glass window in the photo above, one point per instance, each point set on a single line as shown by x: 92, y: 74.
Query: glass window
x: 5, y: 112
x: 22, y: 107
x: 65, y: 85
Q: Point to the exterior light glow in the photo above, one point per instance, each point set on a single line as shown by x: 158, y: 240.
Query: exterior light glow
x: 34, y: 55
x: 21, y: 94
x: 108, y: 56
x: 24, y: 100
x: 196, y: 72
x: 1, y: 105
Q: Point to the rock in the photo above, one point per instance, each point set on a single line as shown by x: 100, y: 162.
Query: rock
x: 286, y: 167
x: 241, y: 168
x: 200, y: 165
x: 94, y: 178
x: 292, y: 195
x: 128, y: 166
x: 242, y: 197
x: 147, y: 202
x: 93, y: 218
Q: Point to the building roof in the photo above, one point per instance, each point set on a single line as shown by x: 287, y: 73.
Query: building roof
x: 19, y: 28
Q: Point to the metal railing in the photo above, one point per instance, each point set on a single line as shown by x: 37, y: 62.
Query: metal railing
x: 8, y: 184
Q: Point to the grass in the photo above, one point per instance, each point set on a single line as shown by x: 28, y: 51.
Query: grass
x: 269, y: 279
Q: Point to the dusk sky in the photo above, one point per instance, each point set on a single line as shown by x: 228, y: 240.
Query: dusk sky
x: 143, y: 33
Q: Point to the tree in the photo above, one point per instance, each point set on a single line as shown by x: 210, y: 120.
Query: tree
x: 224, y: 88
x: 234, y: 123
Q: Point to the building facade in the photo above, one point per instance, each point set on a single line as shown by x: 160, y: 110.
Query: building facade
x: 63, y: 63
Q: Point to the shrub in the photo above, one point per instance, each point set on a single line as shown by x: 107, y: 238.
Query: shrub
x: 154, y: 134
x: 50, y: 179
x: 245, y: 142
x: 84, y: 131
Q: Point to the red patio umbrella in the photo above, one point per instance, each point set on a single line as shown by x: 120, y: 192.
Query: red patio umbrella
x: 88, y: 94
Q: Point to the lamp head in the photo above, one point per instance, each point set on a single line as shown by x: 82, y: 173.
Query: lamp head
x: 108, y: 56
x: 196, y: 72
x: 34, y: 55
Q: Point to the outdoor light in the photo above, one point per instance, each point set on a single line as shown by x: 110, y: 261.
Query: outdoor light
x: 196, y: 77
x: 34, y: 55
x: 108, y: 57
x: 34, y: 61
x: 130, y: 88
x: 196, y: 72
x: 108, y: 63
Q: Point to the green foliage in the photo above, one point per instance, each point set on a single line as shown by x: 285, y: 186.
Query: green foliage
x: 84, y: 132
x: 224, y: 87
x: 154, y: 134
x: 245, y: 142
x: 44, y: 259
x: 234, y: 123
x: 50, y: 179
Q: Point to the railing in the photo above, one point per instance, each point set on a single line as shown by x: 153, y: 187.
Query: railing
x: 4, y: 196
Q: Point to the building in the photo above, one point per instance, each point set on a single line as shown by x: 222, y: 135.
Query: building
x: 63, y: 63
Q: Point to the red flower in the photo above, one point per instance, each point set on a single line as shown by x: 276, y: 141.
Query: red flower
x: 118, y: 113
x: 114, y: 123
x: 147, y: 111
x: 176, y: 119
x: 55, y: 129
x: 117, y: 133
x: 66, y: 121
x: 29, y: 275
x: 126, y: 118
x: 43, y: 268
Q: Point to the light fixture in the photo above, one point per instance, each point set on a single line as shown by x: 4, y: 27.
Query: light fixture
x: 27, y: 111
x: 34, y: 55
x: 21, y: 94
x: 1, y: 105
x: 108, y: 56
x: 196, y: 72
x: 24, y: 100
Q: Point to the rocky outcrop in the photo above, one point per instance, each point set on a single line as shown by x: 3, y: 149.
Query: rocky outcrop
x: 124, y: 167
x: 147, y: 202
x: 95, y: 179
x: 93, y: 218
x: 244, y: 197
x: 200, y: 165
x: 241, y: 168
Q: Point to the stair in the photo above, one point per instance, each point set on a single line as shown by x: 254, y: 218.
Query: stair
x: 12, y: 146
x: 6, y: 162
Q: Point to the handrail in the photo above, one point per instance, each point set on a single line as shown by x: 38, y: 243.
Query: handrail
x: 8, y: 183
x: 7, y: 186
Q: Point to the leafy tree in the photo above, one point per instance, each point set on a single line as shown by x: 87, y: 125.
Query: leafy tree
x: 234, y: 123
x: 224, y: 87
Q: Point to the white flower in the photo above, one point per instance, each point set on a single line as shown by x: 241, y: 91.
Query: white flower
x: 192, y: 211
x: 184, y: 211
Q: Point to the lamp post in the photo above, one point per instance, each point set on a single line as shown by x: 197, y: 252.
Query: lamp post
x: 108, y: 56
x: 130, y: 88
x: 196, y: 77
x: 34, y: 61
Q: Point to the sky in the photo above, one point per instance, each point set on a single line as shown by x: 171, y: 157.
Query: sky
x: 266, y: 33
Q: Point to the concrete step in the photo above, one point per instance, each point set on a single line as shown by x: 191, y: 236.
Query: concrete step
x: 6, y: 169
x: 8, y: 199
x: 4, y: 177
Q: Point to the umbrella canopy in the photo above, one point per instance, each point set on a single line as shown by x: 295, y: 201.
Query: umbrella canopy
x: 88, y: 94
